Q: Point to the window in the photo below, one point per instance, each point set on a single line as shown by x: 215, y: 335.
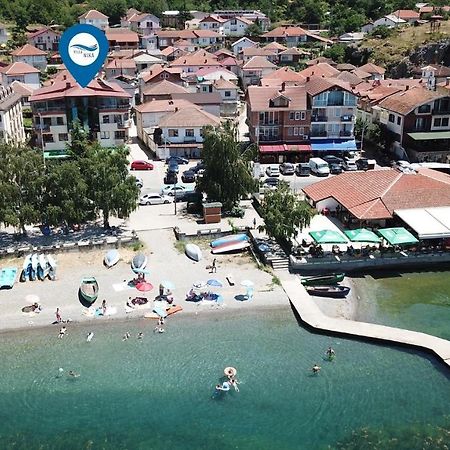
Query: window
x: 295, y: 131
x: 444, y: 122
x: 290, y: 131
x: 424, y: 109
x: 63, y: 137
x: 437, y: 122
x: 106, y: 119
x: 48, y: 137
x: 227, y: 93
x: 173, y: 132
x: 291, y: 115
x: 119, y: 135
x: 301, y: 131
x: 297, y: 115
x: 399, y: 120
x: 391, y: 118
x: 60, y: 121
x: 104, y: 134
x: 47, y: 121
x: 189, y: 132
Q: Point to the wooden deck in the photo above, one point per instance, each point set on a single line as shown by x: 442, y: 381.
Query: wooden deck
x: 311, y: 314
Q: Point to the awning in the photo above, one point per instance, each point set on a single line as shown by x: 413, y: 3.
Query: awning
x: 56, y: 154
x: 362, y: 235
x: 432, y: 135
x: 328, y: 237
x: 281, y: 148
x: 333, y: 145
x: 428, y: 223
x: 398, y: 236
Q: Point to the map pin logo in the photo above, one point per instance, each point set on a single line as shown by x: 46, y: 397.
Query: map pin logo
x: 83, y: 49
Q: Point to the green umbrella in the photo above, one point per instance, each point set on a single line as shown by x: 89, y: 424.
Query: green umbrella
x: 398, y: 236
x: 362, y: 235
x: 328, y: 237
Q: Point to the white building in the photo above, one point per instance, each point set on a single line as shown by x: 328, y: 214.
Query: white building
x: 236, y: 26
x: 31, y: 55
x: 95, y: 18
x: 11, y: 120
x: 22, y: 72
x: 389, y: 21
x: 240, y: 44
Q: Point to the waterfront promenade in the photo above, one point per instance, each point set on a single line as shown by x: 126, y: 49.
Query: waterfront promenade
x: 311, y: 314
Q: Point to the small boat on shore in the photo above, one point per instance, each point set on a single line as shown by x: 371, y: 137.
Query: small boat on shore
x: 332, y: 278
x: 229, y: 239
x: 111, y: 258
x: 89, y: 289
x: 193, y: 251
x: 51, y: 267
x: 42, y: 270
x: 328, y: 291
x: 232, y: 246
x: 26, y: 269
x: 8, y: 277
x: 139, y: 261
x: 34, y: 266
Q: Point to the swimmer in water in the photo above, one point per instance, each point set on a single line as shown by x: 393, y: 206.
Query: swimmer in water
x: 73, y: 374
x: 316, y: 368
x: 89, y: 336
x: 62, y: 332
x: 159, y: 330
x: 140, y: 335
x: 330, y: 353
x: 126, y: 336
x: 234, y: 383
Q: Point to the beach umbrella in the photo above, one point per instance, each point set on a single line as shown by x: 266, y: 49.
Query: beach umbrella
x: 214, y: 283
x: 362, y: 235
x: 31, y: 298
x: 198, y: 284
x: 398, y: 236
x: 143, y: 271
x: 328, y: 237
x: 166, y: 284
x: 247, y: 283
x: 144, y: 286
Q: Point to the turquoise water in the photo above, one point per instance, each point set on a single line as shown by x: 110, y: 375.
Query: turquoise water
x: 416, y: 301
x: 156, y: 393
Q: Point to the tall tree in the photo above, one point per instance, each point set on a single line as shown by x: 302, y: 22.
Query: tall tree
x: 284, y: 215
x: 21, y: 186
x: 227, y: 176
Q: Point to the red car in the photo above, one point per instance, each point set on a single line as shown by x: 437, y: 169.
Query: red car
x: 141, y: 165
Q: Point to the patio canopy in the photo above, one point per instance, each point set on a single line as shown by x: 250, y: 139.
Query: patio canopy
x: 330, y: 144
x: 328, y: 237
x: 362, y: 235
x: 398, y: 236
x: 428, y: 223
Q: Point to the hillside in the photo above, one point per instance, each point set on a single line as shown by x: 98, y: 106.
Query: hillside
x: 411, y: 46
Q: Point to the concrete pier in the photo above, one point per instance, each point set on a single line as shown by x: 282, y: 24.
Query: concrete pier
x: 311, y: 314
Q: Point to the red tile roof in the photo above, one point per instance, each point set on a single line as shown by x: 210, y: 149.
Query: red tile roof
x: 199, y: 58
x: 321, y: 69
x: 258, y: 62
x: 189, y: 117
x: 163, y: 106
x: 316, y: 85
x: 18, y: 68
x: 406, y: 14
x: 376, y: 194
x: 285, y: 74
x: 157, y: 69
x: 122, y: 63
x: 121, y: 35
x: 93, y: 14
x: 70, y: 88
x: 42, y: 30
x: 259, y: 98
x: 373, y: 69
x: 28, y: 50
x: 163, y: 88
x: 292, y: 31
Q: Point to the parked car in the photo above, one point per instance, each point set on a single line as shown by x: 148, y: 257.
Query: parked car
x: 177, y: 159
x: 153, y: 199
x: 171, y: 177
x: 362, y: 164
x: 141, y: 165
x: 287, y: 169
x: 350, y: 165
x: 173, y: 167
x: 319, y: 167
x: 272, y: 182
x: 303, y: 170
x: 178, y: 188
x: 197, y: 167
x: 188, y: 176
x: 335, y: 169
x: 273, y: 171
x: 139, y: 182
x: 331, y: 159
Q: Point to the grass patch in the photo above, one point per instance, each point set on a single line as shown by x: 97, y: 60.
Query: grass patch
x: 136, y: 246
x: 276, y: 281
x: 179, y: 246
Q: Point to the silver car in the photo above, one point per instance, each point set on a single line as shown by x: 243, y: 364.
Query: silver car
x: 153, y: 199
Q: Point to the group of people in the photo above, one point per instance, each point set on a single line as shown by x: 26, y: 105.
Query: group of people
x: 330, y: 355
x: 230, y: 382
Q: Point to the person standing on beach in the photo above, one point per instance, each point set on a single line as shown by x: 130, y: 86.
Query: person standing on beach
x: 104, y: 306
x: 214, y: 266
x: 58, y: 315
x: 254, y: 223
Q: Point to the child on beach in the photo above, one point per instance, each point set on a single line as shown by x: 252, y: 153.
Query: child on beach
x: 62, y: 332
x: 58, y: 315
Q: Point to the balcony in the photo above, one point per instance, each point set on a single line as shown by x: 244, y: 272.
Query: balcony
x: 319, y: 119
x: 318, y: 133
x: 123, y: 125
x: 347, y: 118
x: 263, y: 138
x: 441, y: 112
x: 268, y: 123
x: 345, y: 133
x: 191, y: 140
x: 114, y: 106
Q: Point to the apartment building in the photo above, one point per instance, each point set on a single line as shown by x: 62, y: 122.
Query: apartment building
x: 11, y: 119
x: 102, y: 108
x: 31, y: 55
x: 20, y: 71
x: 94, y: 18
x: 143, y: 23
x: 45, y: 39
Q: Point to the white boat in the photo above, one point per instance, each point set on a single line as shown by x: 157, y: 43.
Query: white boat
x: 111, y: 258
x: 230, y: 247
x: 193, y: 251
x: 229, y: 239
x: 26, y: 269
x: 52, y: 267
x: 42, y: 270
x: 139, y: 261
x: 34, y: 266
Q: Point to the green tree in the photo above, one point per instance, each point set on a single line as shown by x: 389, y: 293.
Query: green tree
x: 114, y: 9
x: 21, y: 184
x: 284, y: 215
x: 65, y: 199
x: 227, y: 176
x: 336, y: 52
x: 110, y: 187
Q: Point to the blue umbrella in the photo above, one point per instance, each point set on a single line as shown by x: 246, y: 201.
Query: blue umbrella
x: 144, y: 271
x: 215, y: 283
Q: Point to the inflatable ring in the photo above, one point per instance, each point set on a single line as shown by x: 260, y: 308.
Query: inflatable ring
x: 230, y: 371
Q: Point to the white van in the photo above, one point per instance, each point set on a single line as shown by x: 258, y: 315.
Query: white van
x: 319, y: 167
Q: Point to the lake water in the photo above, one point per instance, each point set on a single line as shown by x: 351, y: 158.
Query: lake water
x: 155, y: 393
x: 416, y: 301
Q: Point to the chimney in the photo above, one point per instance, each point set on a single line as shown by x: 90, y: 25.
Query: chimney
x: 283, y: 86
x: 447, y: 81
x: 307, y: 79
x: 176, y: 108
x: 67, y: 85
x: 407, y: 87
